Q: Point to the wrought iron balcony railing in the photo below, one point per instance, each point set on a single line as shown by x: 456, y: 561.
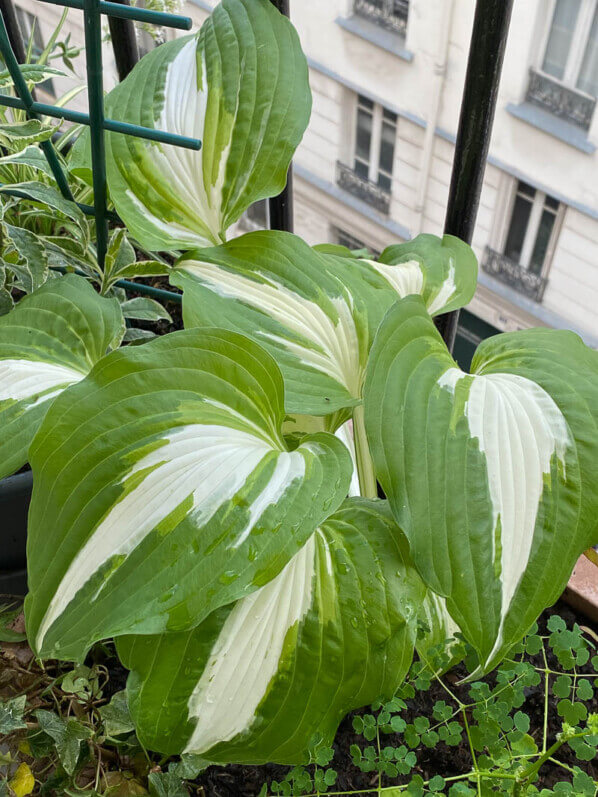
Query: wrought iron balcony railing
x: 514, y: 275
x: 562, y: 101
x: 389, y: 14
x: 366, y: 190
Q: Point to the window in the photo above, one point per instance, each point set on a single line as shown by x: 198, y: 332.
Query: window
x: 391, y: 14
x: 571, y: 54
x: 256, y: 217
x: 346, y: 239
x: 532, y: 229
x: 343, y: 238
x: 471, y: 332
x: 31, y: 31
x: 375, y: 137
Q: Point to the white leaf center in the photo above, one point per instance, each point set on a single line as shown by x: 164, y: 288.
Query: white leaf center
x: 209, y: 463
x: 22, y: 379
x: 334, y: 348
x: 247, y: 653
x: 519, y: 428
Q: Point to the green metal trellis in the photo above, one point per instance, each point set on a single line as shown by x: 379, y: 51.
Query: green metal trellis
x: 95, y: 119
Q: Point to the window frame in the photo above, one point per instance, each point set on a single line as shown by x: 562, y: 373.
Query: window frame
x: 378, y: 120
x: 338, y: 233
x: 532, y: 229
x: 579, y: 43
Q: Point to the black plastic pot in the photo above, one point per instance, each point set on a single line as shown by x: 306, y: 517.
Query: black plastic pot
x: 15, y: 496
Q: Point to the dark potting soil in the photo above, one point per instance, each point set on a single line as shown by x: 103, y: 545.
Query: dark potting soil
x: 247, y: 781
x: 175, y: 308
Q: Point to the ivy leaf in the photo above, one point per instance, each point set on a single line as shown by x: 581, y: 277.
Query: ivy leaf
x: 67, y: 736
x: 116, y: 717
x: 7, y: 617
x: 166, y: 784
x: 23, y: 781
x: 11, y: 714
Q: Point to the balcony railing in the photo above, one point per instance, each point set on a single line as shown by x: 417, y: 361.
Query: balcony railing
x: 390, y: 14
x: 514, y: 275
x: 363, y: 189
x: 562, y: 101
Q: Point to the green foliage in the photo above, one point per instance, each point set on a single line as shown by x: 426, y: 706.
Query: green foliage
x: 488, y: 719
x: 173, y: 512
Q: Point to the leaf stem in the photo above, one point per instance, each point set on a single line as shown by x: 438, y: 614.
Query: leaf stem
x: 365, y: 467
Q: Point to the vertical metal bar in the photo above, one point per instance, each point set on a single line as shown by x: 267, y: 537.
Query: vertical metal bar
x: 15, y: 35
x: 23, y: 92
x: 95, y: 91
x: 486, y: 56
x: 124, y: 43
x: 281, y: 206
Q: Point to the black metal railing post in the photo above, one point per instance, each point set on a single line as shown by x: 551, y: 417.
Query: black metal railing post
x: 281, y: 206
x: 124, y: 43
x: 486, y: 56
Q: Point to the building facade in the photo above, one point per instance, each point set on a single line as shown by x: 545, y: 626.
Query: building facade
x: 374, y: 167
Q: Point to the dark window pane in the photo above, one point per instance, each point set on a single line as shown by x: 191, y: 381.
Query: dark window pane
x: 560, y: 38
x: 552, y: 203
x: 387, y: 148
x: 401, y: 8
x: 364, y: 135
x: 519, y: 221
x: 526, y: 188
x: 363, y: 101
x: 541, y: 246
x: 390, y: 116
x: 346, y: 239
x: 472, y: 331
x: 362, y: 169
x: 384, y: 182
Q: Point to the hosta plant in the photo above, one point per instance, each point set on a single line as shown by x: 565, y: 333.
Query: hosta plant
x: 193, y: 496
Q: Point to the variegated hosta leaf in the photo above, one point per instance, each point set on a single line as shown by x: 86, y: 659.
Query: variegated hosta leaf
x: 316, y: 314
x: 49, y: 341
x: 494, y: 476
x: 437, y: 634
x: 265, y: 679
x: 163, y: 490
x: 442, y: 270
x: 241, y: 86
